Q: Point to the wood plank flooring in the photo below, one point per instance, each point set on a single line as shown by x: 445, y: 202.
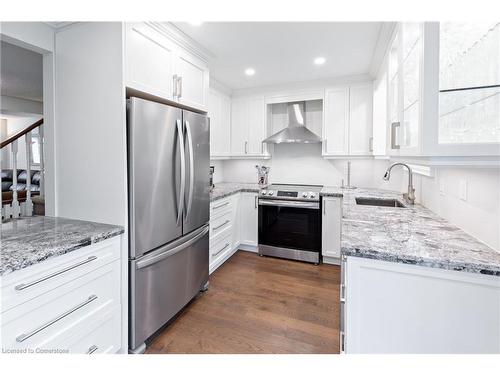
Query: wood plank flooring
x: 259, y: 305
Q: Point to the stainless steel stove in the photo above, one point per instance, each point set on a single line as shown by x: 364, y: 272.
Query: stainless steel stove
x: 290, y: 222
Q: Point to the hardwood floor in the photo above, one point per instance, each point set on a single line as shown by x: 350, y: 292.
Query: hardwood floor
x: 259, y: 305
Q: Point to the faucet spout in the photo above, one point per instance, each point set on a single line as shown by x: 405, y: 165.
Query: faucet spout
x: 410, y: 195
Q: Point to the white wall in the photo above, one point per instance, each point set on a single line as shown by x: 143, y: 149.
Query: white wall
x: 479, y: 214
x: 219, y: 170
x: 303, y: 164
x: 91, y: 180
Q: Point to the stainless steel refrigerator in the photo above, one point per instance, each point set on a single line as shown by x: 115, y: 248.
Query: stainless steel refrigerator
x: 168, y: 174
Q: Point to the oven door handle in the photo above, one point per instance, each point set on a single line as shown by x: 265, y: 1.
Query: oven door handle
x: 294, y: 204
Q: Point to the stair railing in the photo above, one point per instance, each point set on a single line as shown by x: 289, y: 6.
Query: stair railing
x: 15, y: 208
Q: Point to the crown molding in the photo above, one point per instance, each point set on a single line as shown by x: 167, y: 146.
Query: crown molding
x: 384, y: 37
x: 182, y: 39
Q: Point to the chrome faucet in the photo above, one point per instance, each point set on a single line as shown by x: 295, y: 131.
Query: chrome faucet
x: 410, y: 196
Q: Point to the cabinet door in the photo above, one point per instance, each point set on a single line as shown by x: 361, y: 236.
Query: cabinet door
x: 336, y: 121
x: 214, y: 113
x: 239, y: 127
x: 380, y: 114
x: 360, y: 120
x: 249, y: 219
x: 235, y: 219
x: 332, y: 221
x: 224, y: 148
x: 193, y: 75
x: 149, y: 62
x: 256, y: 126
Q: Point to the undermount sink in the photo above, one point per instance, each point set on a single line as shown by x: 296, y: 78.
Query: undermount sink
x: 379, y: 202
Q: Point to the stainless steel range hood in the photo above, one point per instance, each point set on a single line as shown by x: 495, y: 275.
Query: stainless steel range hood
x: 296, y: 131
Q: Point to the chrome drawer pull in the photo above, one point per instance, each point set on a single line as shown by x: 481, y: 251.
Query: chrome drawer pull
x: 24, y: 286
x: 220, y: 206
x: 92, y: 349
x: 26, y: 336
x: 220, y: 226
x: 218, y: 252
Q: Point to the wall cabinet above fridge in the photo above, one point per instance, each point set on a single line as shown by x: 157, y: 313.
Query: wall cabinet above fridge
x: 156, y: 65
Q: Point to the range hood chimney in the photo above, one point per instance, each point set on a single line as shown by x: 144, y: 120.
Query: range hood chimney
x: 296, y: 131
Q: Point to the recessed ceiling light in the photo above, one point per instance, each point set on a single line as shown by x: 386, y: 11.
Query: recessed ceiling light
x: 195, y: 23
x: 319, y: 60
x: 249, y: 71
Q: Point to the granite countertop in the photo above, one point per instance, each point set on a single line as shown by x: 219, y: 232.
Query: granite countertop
x: 32, y: 240
x: 225, y: 189
x: 412, y: 235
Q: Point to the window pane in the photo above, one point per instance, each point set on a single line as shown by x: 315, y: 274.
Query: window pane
x: 469, y: 60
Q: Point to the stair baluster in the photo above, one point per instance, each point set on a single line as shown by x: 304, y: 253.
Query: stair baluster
x: 15, y: 208
x: 28, y: 205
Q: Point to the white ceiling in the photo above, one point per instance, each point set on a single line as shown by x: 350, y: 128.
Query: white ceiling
x: 282, y: 52
x: 21, y: 72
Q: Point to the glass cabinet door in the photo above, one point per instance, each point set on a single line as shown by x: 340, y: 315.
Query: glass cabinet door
x: 469, y: 83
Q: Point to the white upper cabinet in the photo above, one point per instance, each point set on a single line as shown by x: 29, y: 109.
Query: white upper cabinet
x: 219, y: 111
x: 149, y: 61
x: 192, y: 80
x: 256, y: 126
x: 336, y: 121
x: 158, y: 66
x: 248, y: 127
x: 380, y: 117
x: 347, y: 125
x: 239, y: 127
x: 360, y: 120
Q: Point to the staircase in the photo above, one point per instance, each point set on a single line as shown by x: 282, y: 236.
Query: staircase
x: 18, y: 201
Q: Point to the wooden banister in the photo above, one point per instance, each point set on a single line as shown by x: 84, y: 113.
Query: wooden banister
x: 18, y: 135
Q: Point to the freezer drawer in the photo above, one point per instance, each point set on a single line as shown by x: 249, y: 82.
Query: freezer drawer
x: 164, y: 281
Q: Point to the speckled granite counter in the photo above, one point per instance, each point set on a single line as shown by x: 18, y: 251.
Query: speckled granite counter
x: 225, y: 189
x: 28, y: 241
x: 412, y: 235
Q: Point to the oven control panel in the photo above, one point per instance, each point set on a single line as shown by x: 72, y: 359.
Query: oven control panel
x: 300, y: 195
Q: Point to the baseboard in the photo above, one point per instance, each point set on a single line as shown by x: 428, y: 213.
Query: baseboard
x: 331, y: 260
x: 250, y: 248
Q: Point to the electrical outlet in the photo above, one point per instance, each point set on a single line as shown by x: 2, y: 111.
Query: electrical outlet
x: 463, y: 190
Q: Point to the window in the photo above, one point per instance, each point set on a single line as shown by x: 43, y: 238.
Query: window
x: 469, y: 83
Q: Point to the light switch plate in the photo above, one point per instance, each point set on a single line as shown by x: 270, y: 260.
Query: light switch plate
x: 463, y: 190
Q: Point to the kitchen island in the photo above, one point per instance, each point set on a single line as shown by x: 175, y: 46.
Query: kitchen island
x: 412, y: 282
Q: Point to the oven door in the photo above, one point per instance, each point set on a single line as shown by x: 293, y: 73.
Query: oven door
x: 290, y: 224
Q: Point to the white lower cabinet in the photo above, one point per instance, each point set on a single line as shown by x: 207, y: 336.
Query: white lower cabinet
x: 331, y: 229
x: 399, y: 308
x: 249, y: 210
x: 233, y: 224
x: 69, y: 304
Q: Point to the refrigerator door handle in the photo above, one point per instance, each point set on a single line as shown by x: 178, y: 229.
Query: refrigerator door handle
x: 180, y: 206
x: 191, y: 168
x: 168, y: 250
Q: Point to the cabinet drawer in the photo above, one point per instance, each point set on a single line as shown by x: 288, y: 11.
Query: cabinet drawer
x: 31, y: 282
x: 220, y: 207
x: 220, y: 226
x: 100, y: 334
x: 54, y: 316
x: 220, y: 247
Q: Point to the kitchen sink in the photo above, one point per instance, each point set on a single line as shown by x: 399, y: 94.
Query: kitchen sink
x: 379, y: 202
